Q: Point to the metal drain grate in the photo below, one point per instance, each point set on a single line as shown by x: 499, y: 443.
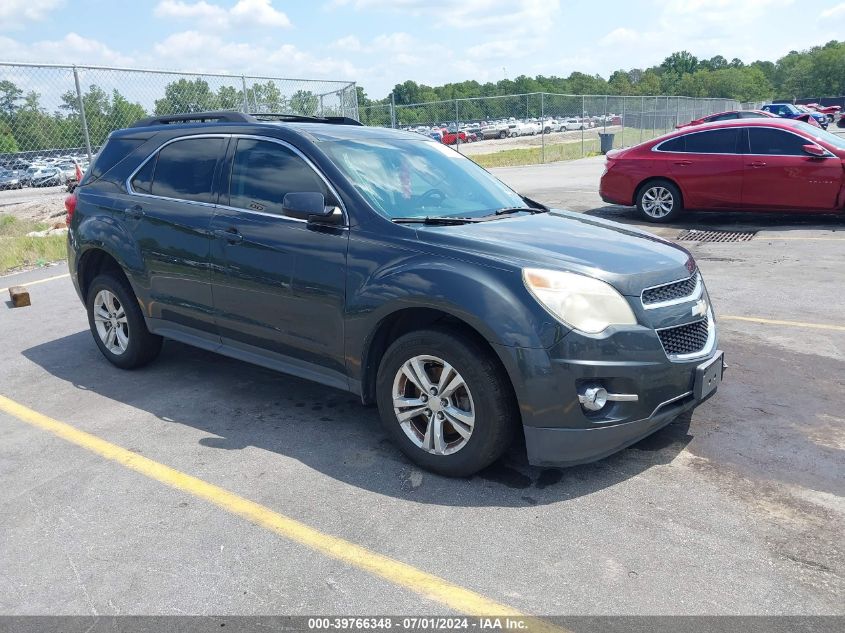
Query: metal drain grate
x: 694, y: 235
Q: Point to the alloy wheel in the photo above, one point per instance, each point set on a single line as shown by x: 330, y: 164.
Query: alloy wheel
x: 111, y: 323
x: 433, y: 405
x: 658, y: 202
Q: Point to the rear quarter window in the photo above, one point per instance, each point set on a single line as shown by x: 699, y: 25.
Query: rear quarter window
x: 114, y: 151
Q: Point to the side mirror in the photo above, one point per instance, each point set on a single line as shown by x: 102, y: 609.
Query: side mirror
x: 311, y: 207
x: 814, y: 150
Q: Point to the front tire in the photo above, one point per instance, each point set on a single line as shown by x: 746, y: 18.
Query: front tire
x: 659, y: 201
x: 117, y: 324
x: 445, y: 401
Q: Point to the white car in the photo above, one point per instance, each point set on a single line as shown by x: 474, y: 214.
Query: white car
x: 552, y: 125
x: 573, y: 124
x: 494, y: 130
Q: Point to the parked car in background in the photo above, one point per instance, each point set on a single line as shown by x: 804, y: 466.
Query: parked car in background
x: 744, y: 164
x: 573, y: 124
x: 452, y: 137
x: 790, y: 111
x: 495, y: 130
x: 829, y: 111
x: 47, y: 177
x: 729, y: 116
x: 10, y: 180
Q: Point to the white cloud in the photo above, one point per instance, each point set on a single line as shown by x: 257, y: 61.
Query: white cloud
x: 72, y: 48
x: 496, y: 15
x: 209, y: 52
x: 834, y: 12
x: 245, y: 13
x: 14, y: 13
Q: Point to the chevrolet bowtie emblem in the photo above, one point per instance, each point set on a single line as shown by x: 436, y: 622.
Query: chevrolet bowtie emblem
x: 700, y: 308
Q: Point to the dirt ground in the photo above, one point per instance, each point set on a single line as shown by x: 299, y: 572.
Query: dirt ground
x: 41, y: 205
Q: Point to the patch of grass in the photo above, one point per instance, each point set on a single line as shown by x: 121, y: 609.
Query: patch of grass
x: 563, y: 151
x: 17, y: 250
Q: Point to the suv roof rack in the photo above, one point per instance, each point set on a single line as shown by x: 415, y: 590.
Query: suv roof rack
x: 302, y: 118
x: 224, y: 116
x: 231, y: 116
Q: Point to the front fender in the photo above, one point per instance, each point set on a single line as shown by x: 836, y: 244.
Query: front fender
x: 491, y: 300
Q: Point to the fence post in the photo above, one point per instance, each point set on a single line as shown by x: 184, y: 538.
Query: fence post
x: 457, y: 127
x: 543, y: 128
x: 392, y: 111
x: 321, y: 105
x: 677, y: 110
x: 246, y: 102
x: 605, y: 114
x: 622, y: 139
x: 581, y: 118
x: 82, y: 113
x: 642, y: 118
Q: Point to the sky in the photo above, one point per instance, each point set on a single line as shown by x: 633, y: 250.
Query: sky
x: 378, y: 43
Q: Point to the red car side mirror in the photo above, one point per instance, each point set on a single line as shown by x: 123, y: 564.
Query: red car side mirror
x: 814, y: 150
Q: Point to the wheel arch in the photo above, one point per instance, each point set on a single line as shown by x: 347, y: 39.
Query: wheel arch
x: 404, y: 321
x: 94, y: 262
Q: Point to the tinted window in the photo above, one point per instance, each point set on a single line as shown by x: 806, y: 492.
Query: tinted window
x: 143, y: 180
x: 114, y: 151
x: 764, y: 140
x: 724, y: 117
x: 714, y: 142
x: 185, y: 169
x: 676, y: 144
x: 263, y: 172
x: 752, y: 115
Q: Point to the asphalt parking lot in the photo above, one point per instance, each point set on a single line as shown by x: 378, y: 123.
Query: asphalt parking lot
x: 736, y: 509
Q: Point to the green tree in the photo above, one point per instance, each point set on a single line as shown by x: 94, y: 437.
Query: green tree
x: 8, y: 144
x: 680, y: 63
x: 186, y: 96
x: 10, y: 95
x: 304, y: 102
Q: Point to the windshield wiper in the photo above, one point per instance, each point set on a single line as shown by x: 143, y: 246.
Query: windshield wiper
x: 437, y: 220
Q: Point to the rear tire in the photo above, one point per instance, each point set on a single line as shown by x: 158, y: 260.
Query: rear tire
x: 468, y: 417
x: 117, y: 324
x: 659, y: 201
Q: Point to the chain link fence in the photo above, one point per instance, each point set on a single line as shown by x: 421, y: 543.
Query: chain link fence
x: 49, y: 111
x: 542, y: 127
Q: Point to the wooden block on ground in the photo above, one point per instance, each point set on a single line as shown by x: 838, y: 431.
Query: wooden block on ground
x: 20, y: 296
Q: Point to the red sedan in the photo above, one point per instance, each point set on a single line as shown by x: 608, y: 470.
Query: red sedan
x: 746, y: 164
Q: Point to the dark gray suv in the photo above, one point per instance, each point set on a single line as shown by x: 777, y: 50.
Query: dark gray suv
x: 388, y: 265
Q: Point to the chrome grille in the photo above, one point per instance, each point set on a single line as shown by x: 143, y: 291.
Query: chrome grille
x: 670, y: 291
x: 685, y: 339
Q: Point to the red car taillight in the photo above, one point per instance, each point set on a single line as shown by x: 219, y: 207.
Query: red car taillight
x: 70, y: 206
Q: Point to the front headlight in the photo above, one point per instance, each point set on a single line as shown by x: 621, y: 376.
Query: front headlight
x: 583, y: 303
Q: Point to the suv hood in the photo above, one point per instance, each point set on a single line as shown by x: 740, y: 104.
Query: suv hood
x: 629, y: 259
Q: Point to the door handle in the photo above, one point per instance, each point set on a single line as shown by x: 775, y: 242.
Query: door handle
x: 683, y: 163
x: 757, y: 163
x: 135, y: 211
x: 231, y: 235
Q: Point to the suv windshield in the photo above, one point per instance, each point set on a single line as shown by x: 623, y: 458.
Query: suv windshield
x: 418, y: 178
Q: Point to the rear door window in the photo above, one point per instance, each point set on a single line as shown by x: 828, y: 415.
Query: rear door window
x: 263, y: 172
x: 184, y: 169
x: 773, y: 142
x: 713, y: 142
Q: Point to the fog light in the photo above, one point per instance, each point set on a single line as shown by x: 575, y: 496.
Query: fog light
x: 593, y: 398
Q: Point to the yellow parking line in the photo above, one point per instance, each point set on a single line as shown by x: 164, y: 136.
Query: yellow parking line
x: 814, y: 326
x: 427, y: 585
x: 38, y: 281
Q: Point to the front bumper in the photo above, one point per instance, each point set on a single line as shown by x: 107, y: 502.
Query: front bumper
x: 570, y: 447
